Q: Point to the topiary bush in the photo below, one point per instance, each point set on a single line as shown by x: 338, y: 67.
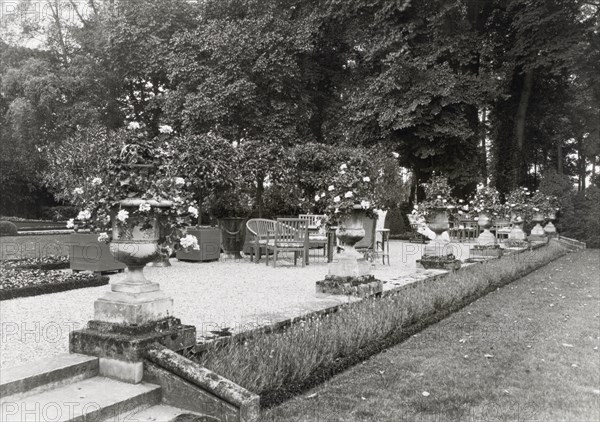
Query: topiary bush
x: 7, y: 228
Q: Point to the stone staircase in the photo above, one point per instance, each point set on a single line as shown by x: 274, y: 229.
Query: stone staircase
x: 69, y: 388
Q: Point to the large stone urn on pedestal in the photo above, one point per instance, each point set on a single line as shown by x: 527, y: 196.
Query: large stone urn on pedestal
x: 486, y: 238
x: 516, y: 232
x: 550, y: 228
x: 350, y: 263
x: 438, y: 223
x: 135, y: 313
x: 537, y: 233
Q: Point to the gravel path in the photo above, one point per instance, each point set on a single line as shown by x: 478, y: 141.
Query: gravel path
x: 235, y: 294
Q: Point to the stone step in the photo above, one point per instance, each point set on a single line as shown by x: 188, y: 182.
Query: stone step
x: 36, y: 377
x: 159, y: 413
x: 92, y: 399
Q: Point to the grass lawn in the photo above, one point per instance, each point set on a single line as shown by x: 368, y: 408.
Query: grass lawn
x: 528, y: 351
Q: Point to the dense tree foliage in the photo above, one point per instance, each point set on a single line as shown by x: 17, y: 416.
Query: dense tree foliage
x: 497, y: 91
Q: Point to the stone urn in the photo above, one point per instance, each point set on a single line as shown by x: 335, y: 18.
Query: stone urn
x: 233, y: 233
x: 350, y: 263
x: 538, y: 231
x: 485, y: 223
x: 437, y: 221
x: 135, y: 299
x: 550, y: 228
x: 516, y: 232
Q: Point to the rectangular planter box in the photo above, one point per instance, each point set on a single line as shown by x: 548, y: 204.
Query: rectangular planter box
x: 209, y: 241
x: 439, y: 265
x: 87, y: 254
x: 369, y: 287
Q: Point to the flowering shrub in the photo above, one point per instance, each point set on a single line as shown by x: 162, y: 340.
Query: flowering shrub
x: 97, y: 169
x: 486, y: 200
x: 438, y: 195
x: 189, y: 242
x: 367, y: 179
x: 543, y: 203
x: 517, y: 205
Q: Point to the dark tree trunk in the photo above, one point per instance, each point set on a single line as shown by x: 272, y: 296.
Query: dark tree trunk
x: 520, y: 120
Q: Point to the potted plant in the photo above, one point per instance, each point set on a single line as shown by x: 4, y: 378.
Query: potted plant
x: 517, y: 206
x: 435, y: 210
x: 542, y: 206
x: 486, y: 203
x: 349, y: 199
x: 129, y: 188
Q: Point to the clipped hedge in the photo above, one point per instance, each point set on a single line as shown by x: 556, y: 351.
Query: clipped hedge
x: 40, y: 289
x: 8, y: 228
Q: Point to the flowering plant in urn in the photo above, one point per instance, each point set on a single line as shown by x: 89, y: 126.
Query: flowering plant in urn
x: 121, y: 180
x: 486, y: 200
x: 438, y: 196
x: 543, y: 203
x: 517, y: 205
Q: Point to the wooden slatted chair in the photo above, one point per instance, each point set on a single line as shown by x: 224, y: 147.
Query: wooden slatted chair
x: 260, y: 229
x: 316, y: 233
x: 290, y: 235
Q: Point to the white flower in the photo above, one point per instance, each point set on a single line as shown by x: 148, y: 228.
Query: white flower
x: 96, y: 181
x: 165, y: 129
x: 179, y: 181
x: 439, y: 197
x: 103, y: 237
x: 322, y: 194
x: 77, y: 191
x: 71, y: 223
x: 133, y: 125
x: 395, y: 154
x: 177, y: 199
x: 348, y: 194
x: 460, y: 201
x: 476, y: 218
x: 512, y: 205
x: 342, y: 172
x: 337, y: 199
x: 122, y: 216
x: 84, y: 215
x: 189, y: 241
x: 343, y: 167
x: 330, y: 188
x: 193, y: 211
x: 366, y: 179
x: 460, y: 212
x: 234, y: 144
x: 317, y: 197
x: 536, y: 209
x: 365, y: 204
x: 524, y: 188
x: 145, y: 207
x: 444, y: 201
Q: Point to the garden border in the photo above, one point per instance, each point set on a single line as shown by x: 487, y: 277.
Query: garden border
x: 319, y: 374
x: 41, y: 289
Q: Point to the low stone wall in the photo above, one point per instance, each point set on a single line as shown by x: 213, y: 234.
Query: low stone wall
x: 187, y: 385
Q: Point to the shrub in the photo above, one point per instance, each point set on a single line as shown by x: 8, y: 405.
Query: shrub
x: 7, y: 228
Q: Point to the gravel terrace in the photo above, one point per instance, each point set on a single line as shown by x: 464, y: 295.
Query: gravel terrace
x: 212, y: 296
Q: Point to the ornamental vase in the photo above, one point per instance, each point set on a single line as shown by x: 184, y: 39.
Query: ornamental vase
x: 550, y: 228
x: 485, y: 223
x: 437, y: 221
x: 538, y: 219
x: 350, y: 263
x: 516, y: 232
x: 135, y: 243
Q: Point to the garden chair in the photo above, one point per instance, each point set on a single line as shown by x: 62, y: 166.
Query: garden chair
x: 502, y: 229
x: 367, y: 244
x: 260, y: 229
x: 415, y: 235
x: 316, y: 233
x: 290, y: 235
x: 469, y: 230
x: 382, y: 237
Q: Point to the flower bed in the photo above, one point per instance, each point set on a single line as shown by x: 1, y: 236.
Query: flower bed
x: 44, y: 263
x: 354, y: 286
x: 280, y: 364
x: 445, y: 262
x: 21, y: 281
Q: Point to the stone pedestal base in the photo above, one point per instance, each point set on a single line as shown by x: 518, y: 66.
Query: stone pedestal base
x: 133, y: 308
x: 122, y: 347
x: 517, y: 233
x: 550, y: 230
x: 349, y: 263
x: 438, y: 247
x: 486, y: 238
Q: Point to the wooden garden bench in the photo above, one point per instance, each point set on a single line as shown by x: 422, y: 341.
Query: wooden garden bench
x: 260, y: 229
x: 290, y: 235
